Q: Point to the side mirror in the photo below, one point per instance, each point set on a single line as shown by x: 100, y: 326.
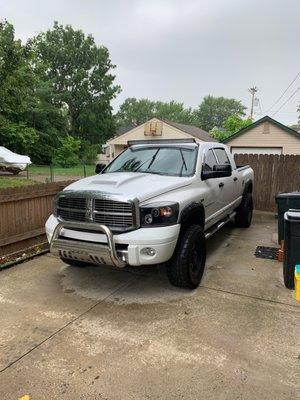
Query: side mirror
x: 99, y: 168
x: 218, y: 171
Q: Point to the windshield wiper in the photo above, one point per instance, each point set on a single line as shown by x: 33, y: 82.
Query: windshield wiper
x: 183, y: 162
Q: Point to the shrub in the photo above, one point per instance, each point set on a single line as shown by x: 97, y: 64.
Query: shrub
x: 89, y: 151
x: 67, y: 154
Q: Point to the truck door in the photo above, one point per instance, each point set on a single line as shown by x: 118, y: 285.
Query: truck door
x: 227, y: 193
x: 212, y: 203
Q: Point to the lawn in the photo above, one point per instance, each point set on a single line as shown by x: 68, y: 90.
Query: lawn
x: 77, y: 170
x: 12, y: 182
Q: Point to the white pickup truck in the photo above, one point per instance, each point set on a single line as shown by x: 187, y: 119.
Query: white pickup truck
x: 157, y: 202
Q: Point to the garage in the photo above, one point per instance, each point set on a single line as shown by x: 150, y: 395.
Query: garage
x: 256, y: 150
x: 265, y: 136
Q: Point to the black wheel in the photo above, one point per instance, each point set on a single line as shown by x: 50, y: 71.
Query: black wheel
x: 244, y: 212
x: 16, y: 172
x: 288, y: 275
x: 186, y: 267
x: 74, y: 263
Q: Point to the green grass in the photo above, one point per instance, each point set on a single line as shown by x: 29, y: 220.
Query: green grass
x: 77, y: 170
x: 14, y: 182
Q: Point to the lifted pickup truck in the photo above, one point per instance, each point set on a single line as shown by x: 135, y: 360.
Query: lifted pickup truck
x: 157, y: 202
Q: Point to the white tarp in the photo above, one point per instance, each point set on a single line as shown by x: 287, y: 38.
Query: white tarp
x: 8, y: 159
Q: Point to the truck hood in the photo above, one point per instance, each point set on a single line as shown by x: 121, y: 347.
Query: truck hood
x: 142, y: 186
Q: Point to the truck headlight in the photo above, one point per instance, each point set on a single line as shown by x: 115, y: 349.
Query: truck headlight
x: 159, y: 214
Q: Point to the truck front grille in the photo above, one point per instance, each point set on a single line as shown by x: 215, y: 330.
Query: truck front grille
x: 117, y: 215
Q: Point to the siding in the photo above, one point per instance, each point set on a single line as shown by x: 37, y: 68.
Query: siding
x: 268, y: 135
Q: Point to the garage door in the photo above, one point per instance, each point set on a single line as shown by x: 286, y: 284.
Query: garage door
x: 256, y: 150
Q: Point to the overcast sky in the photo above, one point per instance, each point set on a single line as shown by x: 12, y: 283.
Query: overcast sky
x: 185, y: 49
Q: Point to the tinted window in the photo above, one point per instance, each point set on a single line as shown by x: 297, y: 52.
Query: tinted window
x: 175, y: 161
x: 209, y: 161
x: 222, y: 156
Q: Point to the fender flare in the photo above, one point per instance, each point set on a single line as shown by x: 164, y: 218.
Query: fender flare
x: 195, y: 209
x: 248, y: 187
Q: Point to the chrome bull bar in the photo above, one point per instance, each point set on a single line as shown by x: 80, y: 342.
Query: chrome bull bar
x: 96, y: 253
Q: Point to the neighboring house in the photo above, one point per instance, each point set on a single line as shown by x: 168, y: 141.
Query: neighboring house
x: 265, y: 136
x: 155, y: 128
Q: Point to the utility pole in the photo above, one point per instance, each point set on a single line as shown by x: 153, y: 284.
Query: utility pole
x: 252, y: 90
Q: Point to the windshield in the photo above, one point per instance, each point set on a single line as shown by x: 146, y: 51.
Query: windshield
x: 174, y: 161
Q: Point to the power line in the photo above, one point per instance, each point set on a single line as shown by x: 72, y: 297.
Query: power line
x: 283, y: 93
x: 292, y: 95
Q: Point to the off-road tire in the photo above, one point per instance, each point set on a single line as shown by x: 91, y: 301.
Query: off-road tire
x: 185, y: 268
x: 74, y: 263
x: 244, y: 212
x: 288, y: 275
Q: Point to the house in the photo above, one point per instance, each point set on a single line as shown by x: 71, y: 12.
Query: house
x: 155, y: 128
x: 265, y: 136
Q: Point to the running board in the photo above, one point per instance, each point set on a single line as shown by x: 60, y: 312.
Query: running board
x: 212, y: 230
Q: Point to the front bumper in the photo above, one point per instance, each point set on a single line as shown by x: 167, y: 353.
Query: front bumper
x: 94, y: 243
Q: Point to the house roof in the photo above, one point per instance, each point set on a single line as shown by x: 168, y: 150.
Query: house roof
x: 190, y: 129
x: 260, y: 121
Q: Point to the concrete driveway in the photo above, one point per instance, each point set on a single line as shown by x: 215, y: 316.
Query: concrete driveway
x: 95, y: 333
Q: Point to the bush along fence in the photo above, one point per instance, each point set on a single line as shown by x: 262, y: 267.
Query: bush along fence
x: 23, y: 213
x: 272, y: 174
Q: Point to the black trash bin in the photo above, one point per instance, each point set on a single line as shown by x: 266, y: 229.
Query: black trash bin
x: 291, y: 246
x: 285, y: 201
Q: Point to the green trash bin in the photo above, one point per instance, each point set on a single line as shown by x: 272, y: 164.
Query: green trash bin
x: 285, y: 201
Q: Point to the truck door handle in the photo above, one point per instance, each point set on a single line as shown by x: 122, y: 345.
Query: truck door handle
x: 221, y: 184
x: 235, y: 179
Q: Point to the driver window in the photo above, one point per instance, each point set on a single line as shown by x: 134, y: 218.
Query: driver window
x: 222, y: 156
x: 209, y: 161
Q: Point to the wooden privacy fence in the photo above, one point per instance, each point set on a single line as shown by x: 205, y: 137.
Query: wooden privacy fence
x: 23, y: 213
x: 272, y: 174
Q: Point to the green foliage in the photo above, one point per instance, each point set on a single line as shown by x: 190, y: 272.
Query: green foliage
x: 79, y: 72
x: 136, y: 112
x: 233, y: 123
x: 88, y: 152
x: 230, y: 126
x: 16, y: 76
x: 213, y: 111
x: 67, y: 154
x: 18, y: 137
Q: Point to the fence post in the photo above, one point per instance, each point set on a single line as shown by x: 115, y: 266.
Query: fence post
x: 84, y: 170
x: 51, y: 173
x: 27, y: 172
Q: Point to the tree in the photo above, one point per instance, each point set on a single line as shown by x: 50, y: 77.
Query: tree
x: 213, y: 111
x: 79, y: 72
x: 230, y: 126
x: 136, y: 112
x: 174, y: 111
x: 16, y: 76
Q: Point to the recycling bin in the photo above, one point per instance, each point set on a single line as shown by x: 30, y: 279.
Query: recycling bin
x: 285, y: 201
x: 291, y: 246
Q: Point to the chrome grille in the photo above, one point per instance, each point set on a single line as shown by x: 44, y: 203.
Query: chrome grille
x: 78, y: 203
x: 113, y: 213
x: 117, y: 215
